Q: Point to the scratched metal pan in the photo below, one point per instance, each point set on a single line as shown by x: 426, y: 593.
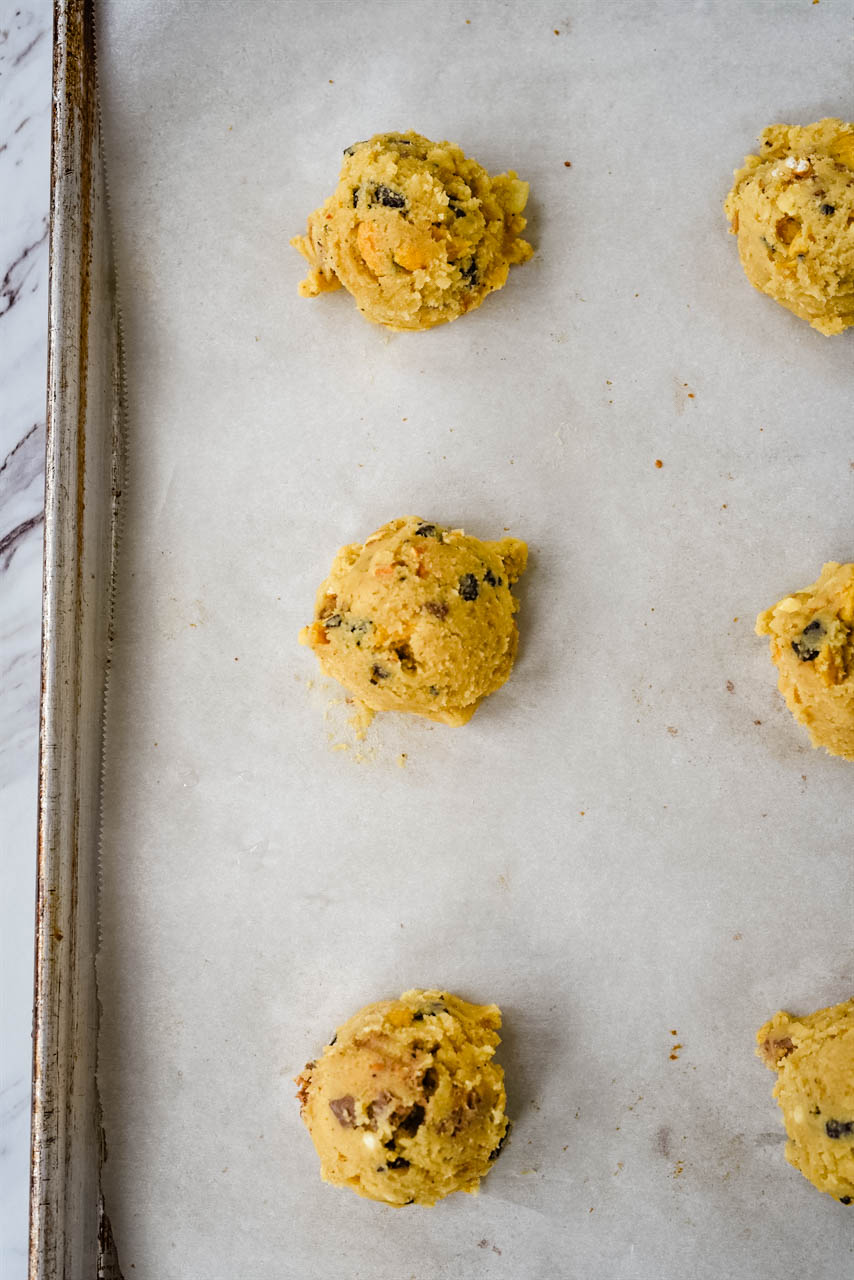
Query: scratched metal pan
x: 69, y: 1231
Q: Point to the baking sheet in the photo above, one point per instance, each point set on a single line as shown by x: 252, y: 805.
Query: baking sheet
x: 632, y: 838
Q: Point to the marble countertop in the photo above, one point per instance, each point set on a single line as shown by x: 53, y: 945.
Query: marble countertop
x: 25, y: 97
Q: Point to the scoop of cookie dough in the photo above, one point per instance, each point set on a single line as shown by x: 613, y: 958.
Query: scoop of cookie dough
x: 406, y: 1104
x: 418, y: 233
x: 792, y: 208
x: 419, y: 619
x: 814, y: 1061
x: 812, y: 644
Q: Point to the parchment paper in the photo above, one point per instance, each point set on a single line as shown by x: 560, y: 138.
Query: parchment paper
x: 633, y: 838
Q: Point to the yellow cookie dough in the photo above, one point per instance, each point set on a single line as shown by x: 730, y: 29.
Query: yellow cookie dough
x: 419, y: 619
x: 792, y: 208
x: 406, y: 1104
x: 814, y: 1061
x: 418, y: 233
x: 812, y: 644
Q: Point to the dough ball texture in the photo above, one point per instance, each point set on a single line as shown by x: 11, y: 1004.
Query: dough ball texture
x: 419, y: 619
x: 415, y: 231
x: 814, y: 1061
x: 406, y: 1104
x: 792, y: 208
x: 812, y: 645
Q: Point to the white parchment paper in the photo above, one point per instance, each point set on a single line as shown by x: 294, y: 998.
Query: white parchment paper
x: 633, y: 838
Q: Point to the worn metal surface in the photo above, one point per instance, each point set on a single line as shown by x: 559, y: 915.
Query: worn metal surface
x: 70, y: 1237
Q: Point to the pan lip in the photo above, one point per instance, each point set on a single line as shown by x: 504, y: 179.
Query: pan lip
x: 69, y: 1234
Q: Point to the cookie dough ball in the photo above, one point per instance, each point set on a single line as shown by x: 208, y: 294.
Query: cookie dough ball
x: 406, y: 1104
x: 418, y: 233
x: 812, y: 645
x: 419, y: 619
x: 814, y: 1061
x: 792, y: 208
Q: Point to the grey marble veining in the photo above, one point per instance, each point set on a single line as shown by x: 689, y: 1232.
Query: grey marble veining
x: 25, y: 97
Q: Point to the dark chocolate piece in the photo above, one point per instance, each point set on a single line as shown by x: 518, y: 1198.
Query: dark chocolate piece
x: 493, y: 1155
x: 407, y: 658
x: 808, y: 644
x: 469, y: 273
x: 469, y: 589
x: 385, y: 196
x: 344, y: 1111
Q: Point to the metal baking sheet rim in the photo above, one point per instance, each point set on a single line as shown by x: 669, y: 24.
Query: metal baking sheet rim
x: 70, y: 1237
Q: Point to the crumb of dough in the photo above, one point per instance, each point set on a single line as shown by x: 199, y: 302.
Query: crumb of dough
x: 361, y: 720
x: 812, y: 646
x: 792, y: 209
x: 419, y: 618
x: 406, y: 1105
x: 814, y: 1061
x: 418, y: 233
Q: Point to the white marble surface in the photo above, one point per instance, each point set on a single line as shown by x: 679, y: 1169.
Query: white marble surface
x: 25, y: 88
